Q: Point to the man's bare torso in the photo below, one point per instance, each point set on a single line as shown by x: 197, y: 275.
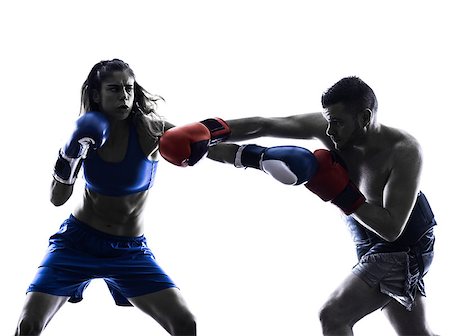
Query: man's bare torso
x: 370, y: 167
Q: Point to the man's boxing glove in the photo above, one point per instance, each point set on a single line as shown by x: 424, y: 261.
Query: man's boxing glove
x: 186, y: 145
x: 91, y: 131
x: 332, y: 183
x: 287, y: 164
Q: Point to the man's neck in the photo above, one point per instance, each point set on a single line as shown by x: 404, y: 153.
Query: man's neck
x: 370, y: 138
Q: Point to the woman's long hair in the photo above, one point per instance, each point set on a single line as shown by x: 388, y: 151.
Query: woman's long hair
x: 143, y: 112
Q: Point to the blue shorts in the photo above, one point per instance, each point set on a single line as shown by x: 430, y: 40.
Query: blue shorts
x: 399, y: 274
x: 78, y: 253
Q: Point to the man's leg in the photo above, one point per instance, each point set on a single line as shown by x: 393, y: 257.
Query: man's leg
x: 408, y: 322
x: 37, y: 312
x: 350, y: 302
x: 169, y: 309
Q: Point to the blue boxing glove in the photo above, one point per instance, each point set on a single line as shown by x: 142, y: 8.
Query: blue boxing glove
x: 91, y: 131
x: 290, y: 165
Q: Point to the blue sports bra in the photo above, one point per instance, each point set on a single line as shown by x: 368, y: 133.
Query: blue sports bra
x: 135, y: 173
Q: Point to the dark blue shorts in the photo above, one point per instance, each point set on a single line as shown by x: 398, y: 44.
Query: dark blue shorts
x: 399, y: 274
x: 78, y: 253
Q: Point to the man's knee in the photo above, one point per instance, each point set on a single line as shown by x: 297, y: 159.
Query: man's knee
x: 330, y: 317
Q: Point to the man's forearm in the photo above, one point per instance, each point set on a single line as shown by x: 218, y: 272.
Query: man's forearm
x: 223, y: 152
x: 378, y: 220
x: 246, y: 128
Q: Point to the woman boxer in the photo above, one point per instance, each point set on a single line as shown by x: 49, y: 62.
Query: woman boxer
x: 116, y: 140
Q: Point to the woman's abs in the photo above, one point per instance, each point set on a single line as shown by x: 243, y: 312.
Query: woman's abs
x: 121, y: 216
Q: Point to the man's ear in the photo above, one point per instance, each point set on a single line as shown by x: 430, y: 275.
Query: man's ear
x: 365, y: 117
x: 96, y: 96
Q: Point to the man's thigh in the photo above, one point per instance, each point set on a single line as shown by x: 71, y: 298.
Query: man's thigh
x: 353, y: 300
x: 408, y: 322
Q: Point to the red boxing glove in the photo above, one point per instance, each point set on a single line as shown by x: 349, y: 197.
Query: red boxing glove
x: 186, y: 145
x: 331, y: 182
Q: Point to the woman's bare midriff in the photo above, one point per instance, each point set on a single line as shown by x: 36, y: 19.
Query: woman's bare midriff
x: 120, y: 216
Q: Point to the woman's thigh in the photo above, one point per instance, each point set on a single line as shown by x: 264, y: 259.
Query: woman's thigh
x: 166, y: 306
x: 39, y: 308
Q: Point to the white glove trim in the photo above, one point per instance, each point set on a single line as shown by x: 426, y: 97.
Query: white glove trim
x: 279, y: 171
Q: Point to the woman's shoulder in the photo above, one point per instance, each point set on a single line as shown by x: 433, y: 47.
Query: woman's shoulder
x: 148, y: 132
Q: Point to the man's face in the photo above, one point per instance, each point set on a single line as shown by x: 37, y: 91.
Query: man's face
x: 343, y: 128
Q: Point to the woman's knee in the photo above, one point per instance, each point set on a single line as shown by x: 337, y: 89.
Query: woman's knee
x: 29, y: 325
x: 38, y: 310
x: 183, y: 324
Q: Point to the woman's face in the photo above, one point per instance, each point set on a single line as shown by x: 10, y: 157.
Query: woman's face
x: 116, y: 95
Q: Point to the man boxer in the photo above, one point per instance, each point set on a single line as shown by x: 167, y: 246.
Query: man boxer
x: 372, y: 173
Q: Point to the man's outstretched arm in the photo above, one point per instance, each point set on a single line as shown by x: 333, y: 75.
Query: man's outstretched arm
x: 301, y: 126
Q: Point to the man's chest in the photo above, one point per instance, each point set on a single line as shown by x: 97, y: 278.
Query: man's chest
x: 370, y: 173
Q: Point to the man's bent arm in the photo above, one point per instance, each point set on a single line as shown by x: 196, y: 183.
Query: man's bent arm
x: 400, y: 193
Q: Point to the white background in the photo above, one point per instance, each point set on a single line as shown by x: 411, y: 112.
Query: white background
x: 251, y: 256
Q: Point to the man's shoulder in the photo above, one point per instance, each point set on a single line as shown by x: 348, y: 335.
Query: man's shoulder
x: 398, y: 138
x: 404, y: 146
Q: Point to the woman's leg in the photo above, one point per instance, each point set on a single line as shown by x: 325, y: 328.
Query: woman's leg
x: 38, y: 310
x: 169, y: 309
